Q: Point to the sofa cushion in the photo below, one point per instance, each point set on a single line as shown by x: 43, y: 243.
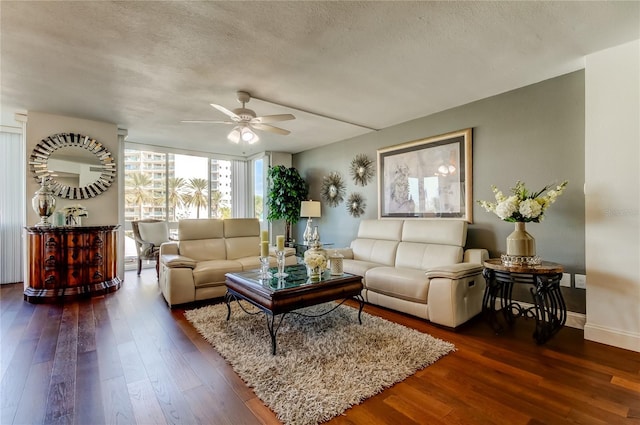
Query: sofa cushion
x: 203, y: 249
x: 357, y: 267
x: 375, y: 251
x: 423, y: 256
x: 441, y: 232
x: 404, y: 283
x: 213, y: 271
x: 239, y: 247
x: 200, y: 228
x: 239, y: 227
x: 390, y: 230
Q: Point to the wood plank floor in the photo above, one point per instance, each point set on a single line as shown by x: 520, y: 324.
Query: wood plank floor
x: 126, y: 358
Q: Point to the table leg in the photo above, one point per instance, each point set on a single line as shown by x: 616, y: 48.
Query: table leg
x: 491, y: 292
x: 227, y: 299
x: 361, y: 302
x: 273, y: 329
x: 551, y: 311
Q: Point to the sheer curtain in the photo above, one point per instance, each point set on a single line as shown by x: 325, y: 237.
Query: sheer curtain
x: 12, y: 205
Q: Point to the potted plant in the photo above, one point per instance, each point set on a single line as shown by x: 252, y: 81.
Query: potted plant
x: 286, y: 191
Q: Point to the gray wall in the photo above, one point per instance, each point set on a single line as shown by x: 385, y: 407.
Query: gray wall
x: 534, y: 134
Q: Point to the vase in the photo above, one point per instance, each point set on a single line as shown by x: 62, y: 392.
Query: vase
x: 44, y: 204
x: 520, y: 243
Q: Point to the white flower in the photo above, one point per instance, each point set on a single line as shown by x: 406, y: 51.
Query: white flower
x: 530, y: 208
x: 315, y: 260
x: 507, y: 207
x: 523, y: 206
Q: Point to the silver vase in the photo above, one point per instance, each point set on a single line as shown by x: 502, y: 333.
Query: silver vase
x: 44, y: 204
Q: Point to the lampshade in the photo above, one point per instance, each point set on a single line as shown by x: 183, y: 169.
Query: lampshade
x: 310, y: 209
x: 244, y: 133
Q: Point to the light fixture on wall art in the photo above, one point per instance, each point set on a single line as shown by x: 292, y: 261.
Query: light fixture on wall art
x: 242, y: 133
x: 356, y: 204
x: 309, y: 209
x: 333, y: 189
x: 361, y: 169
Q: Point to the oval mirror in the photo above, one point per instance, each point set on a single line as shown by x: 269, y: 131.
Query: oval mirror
x: 75, y: 166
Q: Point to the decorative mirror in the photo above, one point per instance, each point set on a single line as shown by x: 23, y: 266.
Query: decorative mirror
x: 333, y: 189
x: 356, y: 204
x: 75, y: 166
x: 361, y: 169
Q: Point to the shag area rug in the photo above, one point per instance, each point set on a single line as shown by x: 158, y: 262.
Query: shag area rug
x: 323, y: 365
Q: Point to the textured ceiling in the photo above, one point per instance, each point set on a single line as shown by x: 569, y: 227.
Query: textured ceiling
x: 147, y: 65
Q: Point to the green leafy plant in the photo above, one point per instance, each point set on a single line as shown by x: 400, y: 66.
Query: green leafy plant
x: 286, y: 191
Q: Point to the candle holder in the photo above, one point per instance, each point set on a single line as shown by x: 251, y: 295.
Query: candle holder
x: 280, y: 260
x: 264, y: 268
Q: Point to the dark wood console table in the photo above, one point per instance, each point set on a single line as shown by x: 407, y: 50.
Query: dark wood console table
x: 71, y: 262
x: 549, y: 309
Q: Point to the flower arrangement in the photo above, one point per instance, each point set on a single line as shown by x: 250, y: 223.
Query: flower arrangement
x: 522, y: 205
x: 315, y: 260
x: 75, y: 211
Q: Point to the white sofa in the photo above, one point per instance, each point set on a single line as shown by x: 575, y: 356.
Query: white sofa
x: 419, y: 267
x: 194, y: 267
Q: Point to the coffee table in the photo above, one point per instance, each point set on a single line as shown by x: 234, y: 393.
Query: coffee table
x: 280, y: 296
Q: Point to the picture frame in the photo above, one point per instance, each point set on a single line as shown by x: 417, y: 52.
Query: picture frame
x: 428, y: 178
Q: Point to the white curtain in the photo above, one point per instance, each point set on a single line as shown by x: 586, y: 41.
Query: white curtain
x: 241, y: 191
x: 12, y: 206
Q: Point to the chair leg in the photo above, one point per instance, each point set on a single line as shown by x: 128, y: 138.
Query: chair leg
x: 158, y: 269
x: 139, y: 266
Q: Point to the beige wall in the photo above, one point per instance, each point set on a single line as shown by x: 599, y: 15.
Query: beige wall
x: 104, y: 208
x: 612, y: 158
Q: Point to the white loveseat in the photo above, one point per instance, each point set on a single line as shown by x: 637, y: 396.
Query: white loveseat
x: 419, y: 267
x: 194, y: 267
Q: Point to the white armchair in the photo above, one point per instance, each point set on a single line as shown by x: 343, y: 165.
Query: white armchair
x: 149, y: 234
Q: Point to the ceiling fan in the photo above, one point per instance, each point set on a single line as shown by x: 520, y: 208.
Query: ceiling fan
x: 245, y: 121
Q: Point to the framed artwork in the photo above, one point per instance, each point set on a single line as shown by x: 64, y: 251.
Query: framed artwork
x: 427, y: 178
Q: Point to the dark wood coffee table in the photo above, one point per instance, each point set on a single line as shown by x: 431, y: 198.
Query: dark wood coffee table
x: 278, y: 297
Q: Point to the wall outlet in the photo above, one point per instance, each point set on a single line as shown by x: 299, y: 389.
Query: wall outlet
x: 581, y: 281
x: 566, y: 280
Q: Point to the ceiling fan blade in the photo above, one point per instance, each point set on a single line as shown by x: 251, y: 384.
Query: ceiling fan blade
x: 270, y: 128
x: 272, y: 118
x: 225, y: 111
x: 208, y: 122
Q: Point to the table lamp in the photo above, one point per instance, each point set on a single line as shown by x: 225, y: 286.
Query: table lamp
x: 309, y: 209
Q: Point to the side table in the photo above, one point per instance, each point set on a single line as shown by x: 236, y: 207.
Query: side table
x: 549, y: 309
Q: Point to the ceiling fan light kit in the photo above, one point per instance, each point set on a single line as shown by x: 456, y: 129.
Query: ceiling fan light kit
x: 246, y: 122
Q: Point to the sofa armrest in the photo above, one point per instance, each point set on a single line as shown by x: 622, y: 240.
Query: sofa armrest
x: 347, y: 253
x: 178, y: 261
x: 476, y: 255
x: 455, y: 293
x: 454, y: 271
x: 169, y: 248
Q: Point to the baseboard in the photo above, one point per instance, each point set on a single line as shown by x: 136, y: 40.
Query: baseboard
x: 574, y: 320
x: 614, y: 337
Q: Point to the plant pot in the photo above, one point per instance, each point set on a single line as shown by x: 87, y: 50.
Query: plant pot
x: 520, y: 243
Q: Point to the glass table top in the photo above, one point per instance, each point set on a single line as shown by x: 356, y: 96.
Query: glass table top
x: 297, y: 277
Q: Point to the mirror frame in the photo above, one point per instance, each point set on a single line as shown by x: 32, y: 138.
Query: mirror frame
x: 38, y: 165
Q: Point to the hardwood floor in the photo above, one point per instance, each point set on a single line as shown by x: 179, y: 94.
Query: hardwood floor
x: 126, y: 358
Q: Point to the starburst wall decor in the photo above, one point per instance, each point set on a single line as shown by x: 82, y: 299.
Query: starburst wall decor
x: 361, y: 169
x: 333, y: 189
x: 356, y: 204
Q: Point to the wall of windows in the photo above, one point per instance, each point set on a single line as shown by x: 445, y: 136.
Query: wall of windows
x: 170, y: 186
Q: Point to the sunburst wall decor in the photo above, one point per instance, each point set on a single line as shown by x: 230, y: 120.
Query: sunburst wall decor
x: 333, y: 189
x: 356, y: 204
x: 361, y: 169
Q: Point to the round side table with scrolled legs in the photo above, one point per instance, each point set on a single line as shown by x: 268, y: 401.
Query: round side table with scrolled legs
x: 549, y: 309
